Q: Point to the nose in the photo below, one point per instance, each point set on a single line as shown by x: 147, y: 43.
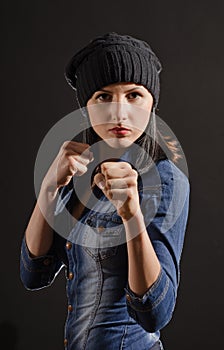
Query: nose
x: 119, y: 112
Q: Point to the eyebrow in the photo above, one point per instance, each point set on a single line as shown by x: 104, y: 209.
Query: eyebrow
x: 132, y: 89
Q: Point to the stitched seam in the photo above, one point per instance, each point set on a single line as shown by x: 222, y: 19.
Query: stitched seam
x: 123, y: 338
x: 156, y: 303
x: 34, y: 270
x: 97, y: 302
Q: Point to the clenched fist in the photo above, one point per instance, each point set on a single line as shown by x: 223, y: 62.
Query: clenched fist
x: 118, y: 181
x: 71, y: 160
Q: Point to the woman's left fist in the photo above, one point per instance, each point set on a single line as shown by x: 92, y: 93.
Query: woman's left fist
x: 118, y: 181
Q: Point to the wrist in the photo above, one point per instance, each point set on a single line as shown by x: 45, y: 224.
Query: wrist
x: 129, y: 209
x: 135, y: 225
x: 48, y: 191
x: 133, y: 212
x: 47, y: 198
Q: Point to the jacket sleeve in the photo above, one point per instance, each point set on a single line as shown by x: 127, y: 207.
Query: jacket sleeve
x: 166, y: 230
x: 40, y: 272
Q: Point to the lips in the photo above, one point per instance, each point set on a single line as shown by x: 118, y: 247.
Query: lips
x: 119, y: 130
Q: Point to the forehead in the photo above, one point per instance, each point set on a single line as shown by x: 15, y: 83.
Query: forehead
x: 121, y: 87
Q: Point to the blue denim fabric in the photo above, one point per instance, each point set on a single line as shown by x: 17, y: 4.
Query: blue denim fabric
x: 104, y: 313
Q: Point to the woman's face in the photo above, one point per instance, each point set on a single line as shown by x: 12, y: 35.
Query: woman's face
x: 120, y: 112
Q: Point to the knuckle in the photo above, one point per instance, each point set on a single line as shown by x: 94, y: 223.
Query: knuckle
x: 82, y: 160
x: 103, y: 167
x: 65, y: 144
x: 109, y: 193
x: 129, y: 193
x: 109, y: 184
x: 71, y: 169
x: 134, y: 173
x: 126, y: 165
x: 85, y: 145
x: 132, y: 181
x: 121, y: 183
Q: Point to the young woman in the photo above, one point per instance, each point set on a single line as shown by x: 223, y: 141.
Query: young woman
x: 112, y: 208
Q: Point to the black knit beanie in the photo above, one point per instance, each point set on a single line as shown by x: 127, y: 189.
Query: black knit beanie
x: 113, y: 58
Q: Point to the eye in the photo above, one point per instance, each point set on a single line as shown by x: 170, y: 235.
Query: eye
x: 134, y: 95
x: 104, y: 97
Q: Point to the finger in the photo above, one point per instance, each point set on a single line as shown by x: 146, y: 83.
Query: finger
x: 80, y: 168
x: 111, y: 173
x: 121, y: 165
x: 116, y: 183
x: 118, y: 172
x: 119, y: 183
x: 78, y: 147
x: 118, y: 194
x: 80, y: 159
x: 99, y: 180
x: 88, y: 155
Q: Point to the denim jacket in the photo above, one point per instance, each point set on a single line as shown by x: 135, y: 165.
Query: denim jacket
x: 103, y: 312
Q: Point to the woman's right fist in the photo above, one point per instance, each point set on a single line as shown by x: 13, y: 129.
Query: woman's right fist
x: 72, y: 159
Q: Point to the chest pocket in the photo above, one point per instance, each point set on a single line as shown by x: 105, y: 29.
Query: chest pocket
x: 102, y: 236
x: 101, y: 254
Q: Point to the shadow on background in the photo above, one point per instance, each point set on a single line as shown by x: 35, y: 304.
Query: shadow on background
x: 8, y: 336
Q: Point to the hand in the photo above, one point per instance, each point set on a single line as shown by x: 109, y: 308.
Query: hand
x: 71, y: 160
x: 118, y: 181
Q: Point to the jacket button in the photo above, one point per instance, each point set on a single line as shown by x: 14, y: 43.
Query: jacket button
x: 89, y: 222
x: 46, y: 262
x: 128, y: 297
x: 65, y: 342
x: 68, y: 245
x: 70, y: 308
x: 70, y: 275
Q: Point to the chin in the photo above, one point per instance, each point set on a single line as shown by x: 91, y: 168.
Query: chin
x: 118, y: 142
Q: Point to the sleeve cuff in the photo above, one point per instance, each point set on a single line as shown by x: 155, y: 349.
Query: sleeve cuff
x: 37, y: 264
x: 153, y: 296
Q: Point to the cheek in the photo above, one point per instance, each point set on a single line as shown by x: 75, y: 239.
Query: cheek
x: 99, y: 129
x: 141, y: 120
x: 97, y: 116
x: 93, y: 118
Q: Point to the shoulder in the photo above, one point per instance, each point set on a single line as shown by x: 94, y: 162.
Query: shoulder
x: 164, y: 173
x: 170, y: 173
x: 168, y: 169
x: 175, y: 184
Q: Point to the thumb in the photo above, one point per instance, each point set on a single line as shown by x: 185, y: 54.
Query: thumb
x: 99, y: 180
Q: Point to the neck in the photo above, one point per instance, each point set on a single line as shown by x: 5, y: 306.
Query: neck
x: 104, y: 151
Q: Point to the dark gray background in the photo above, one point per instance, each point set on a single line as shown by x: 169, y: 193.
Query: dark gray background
x: 37, y: 38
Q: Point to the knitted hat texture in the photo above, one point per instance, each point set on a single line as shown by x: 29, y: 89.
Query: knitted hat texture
x: 113, y: 58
